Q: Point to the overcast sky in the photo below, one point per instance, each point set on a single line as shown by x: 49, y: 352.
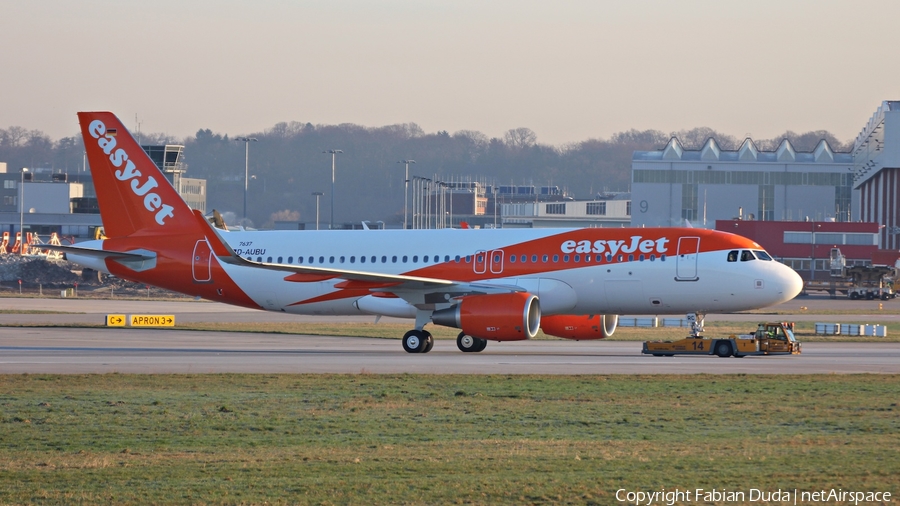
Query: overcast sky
x: 569, y: 70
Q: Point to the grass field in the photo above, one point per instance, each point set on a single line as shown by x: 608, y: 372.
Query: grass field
x: 411, y: 439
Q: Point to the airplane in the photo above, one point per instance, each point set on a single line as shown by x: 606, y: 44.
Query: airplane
x: 492, y: 284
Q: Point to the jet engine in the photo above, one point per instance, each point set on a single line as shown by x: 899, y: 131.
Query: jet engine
x: 497, y: 317
x: 580, y: 327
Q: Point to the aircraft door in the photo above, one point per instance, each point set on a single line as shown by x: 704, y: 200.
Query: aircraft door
x: 686, y: 259
x: 496, y: 261
x: 480, y: 262
x: 201, y: 264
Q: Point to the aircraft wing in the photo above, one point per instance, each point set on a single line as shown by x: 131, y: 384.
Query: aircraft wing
x: 416, y: 290
x: 302, y: 274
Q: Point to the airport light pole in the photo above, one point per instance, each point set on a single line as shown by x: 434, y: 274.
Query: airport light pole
x: 333, y: 153
x: 406, y: 189
x: 317, y: 195
x: 246, y: 141
x: 22, y: 213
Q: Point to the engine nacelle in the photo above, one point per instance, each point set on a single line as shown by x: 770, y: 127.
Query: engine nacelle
x: 580, y: 327
x: 496, y: 317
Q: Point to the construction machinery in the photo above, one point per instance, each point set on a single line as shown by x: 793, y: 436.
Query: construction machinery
x: 863, y: 281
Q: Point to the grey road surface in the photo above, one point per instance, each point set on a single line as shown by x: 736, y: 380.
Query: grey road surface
x: 79, y: 350
x: 74, y: 350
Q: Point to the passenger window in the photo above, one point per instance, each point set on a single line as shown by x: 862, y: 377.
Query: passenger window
x: 577, y: 258
x: 534, y: 259
x: 545, y: 258
x: 290, y: 260
x: 321, y: 260
x: 259, y: 259
x: 384, y: 259
x: 747, y: 255
x: 631, y: 258
x: 468, y: 259
x: 299, y: 260
x: 374, y: 259
x: 424, y: 259
x: 608, y: 257
x: 331, y: 260
x: 512, y: 259
x: 342, y: 259
x: 279, y: 259
x: 641, y: 258
x: 446, y: 258
x: 457, y: 258
x: 362, y: 259
x: 496, y: 259
x: 269, y: 259
x: 404, y: 258
x: 353, y: 259
x: 732, y: 255
x: 555, y: 258
x: 652, y: 257
x: 415, y: 259
x: 620, y: 258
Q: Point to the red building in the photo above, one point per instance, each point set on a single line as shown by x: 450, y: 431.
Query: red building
x: 806, y: 245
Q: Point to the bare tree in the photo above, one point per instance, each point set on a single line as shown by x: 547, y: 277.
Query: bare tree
x: 520, y: 138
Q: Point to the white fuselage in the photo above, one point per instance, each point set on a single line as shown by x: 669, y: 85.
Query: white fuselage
x: 671, y: 284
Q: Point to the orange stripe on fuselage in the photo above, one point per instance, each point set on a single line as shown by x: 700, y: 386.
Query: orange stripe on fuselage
x: 622, y: 244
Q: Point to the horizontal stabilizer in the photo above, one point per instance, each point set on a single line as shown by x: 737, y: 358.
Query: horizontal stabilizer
x: 136, y: 260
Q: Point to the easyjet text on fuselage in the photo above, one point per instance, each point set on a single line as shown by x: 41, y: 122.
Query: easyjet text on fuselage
x: 612, y: 247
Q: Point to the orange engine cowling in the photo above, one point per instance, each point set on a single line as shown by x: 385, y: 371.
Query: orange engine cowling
x: 497, y: 317
x: 580, y: 327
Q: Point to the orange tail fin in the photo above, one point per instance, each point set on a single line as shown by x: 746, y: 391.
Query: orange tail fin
x: 133, y: 194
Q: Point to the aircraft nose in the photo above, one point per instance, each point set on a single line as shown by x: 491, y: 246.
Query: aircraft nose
x: 790, y: 284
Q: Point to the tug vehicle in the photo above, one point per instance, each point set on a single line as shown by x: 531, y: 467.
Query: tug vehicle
x: 769, y: 339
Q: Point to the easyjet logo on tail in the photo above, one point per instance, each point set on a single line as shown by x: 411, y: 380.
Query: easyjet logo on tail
x: 637, y: 243
x: 106, y: 140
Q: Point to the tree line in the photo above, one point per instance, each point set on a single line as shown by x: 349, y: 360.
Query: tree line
x: 287, y: 163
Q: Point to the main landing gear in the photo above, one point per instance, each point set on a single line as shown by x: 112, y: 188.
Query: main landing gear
x: 467, y: 343
x: 418, y: 341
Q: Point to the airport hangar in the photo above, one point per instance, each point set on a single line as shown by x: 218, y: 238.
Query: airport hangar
x: 824, y: 199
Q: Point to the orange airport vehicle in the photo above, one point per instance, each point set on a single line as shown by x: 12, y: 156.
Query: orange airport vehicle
x: 769, y: 339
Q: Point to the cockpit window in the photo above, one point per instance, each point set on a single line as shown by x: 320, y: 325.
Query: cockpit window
x: 762, y: 255
x: 747, y: 255
x: 733, y: 255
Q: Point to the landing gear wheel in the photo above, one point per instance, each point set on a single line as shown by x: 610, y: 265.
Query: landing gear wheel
x: 429, y: 342
x: 723, y: 350
x: 466, y: 343
x: 415, y: 341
